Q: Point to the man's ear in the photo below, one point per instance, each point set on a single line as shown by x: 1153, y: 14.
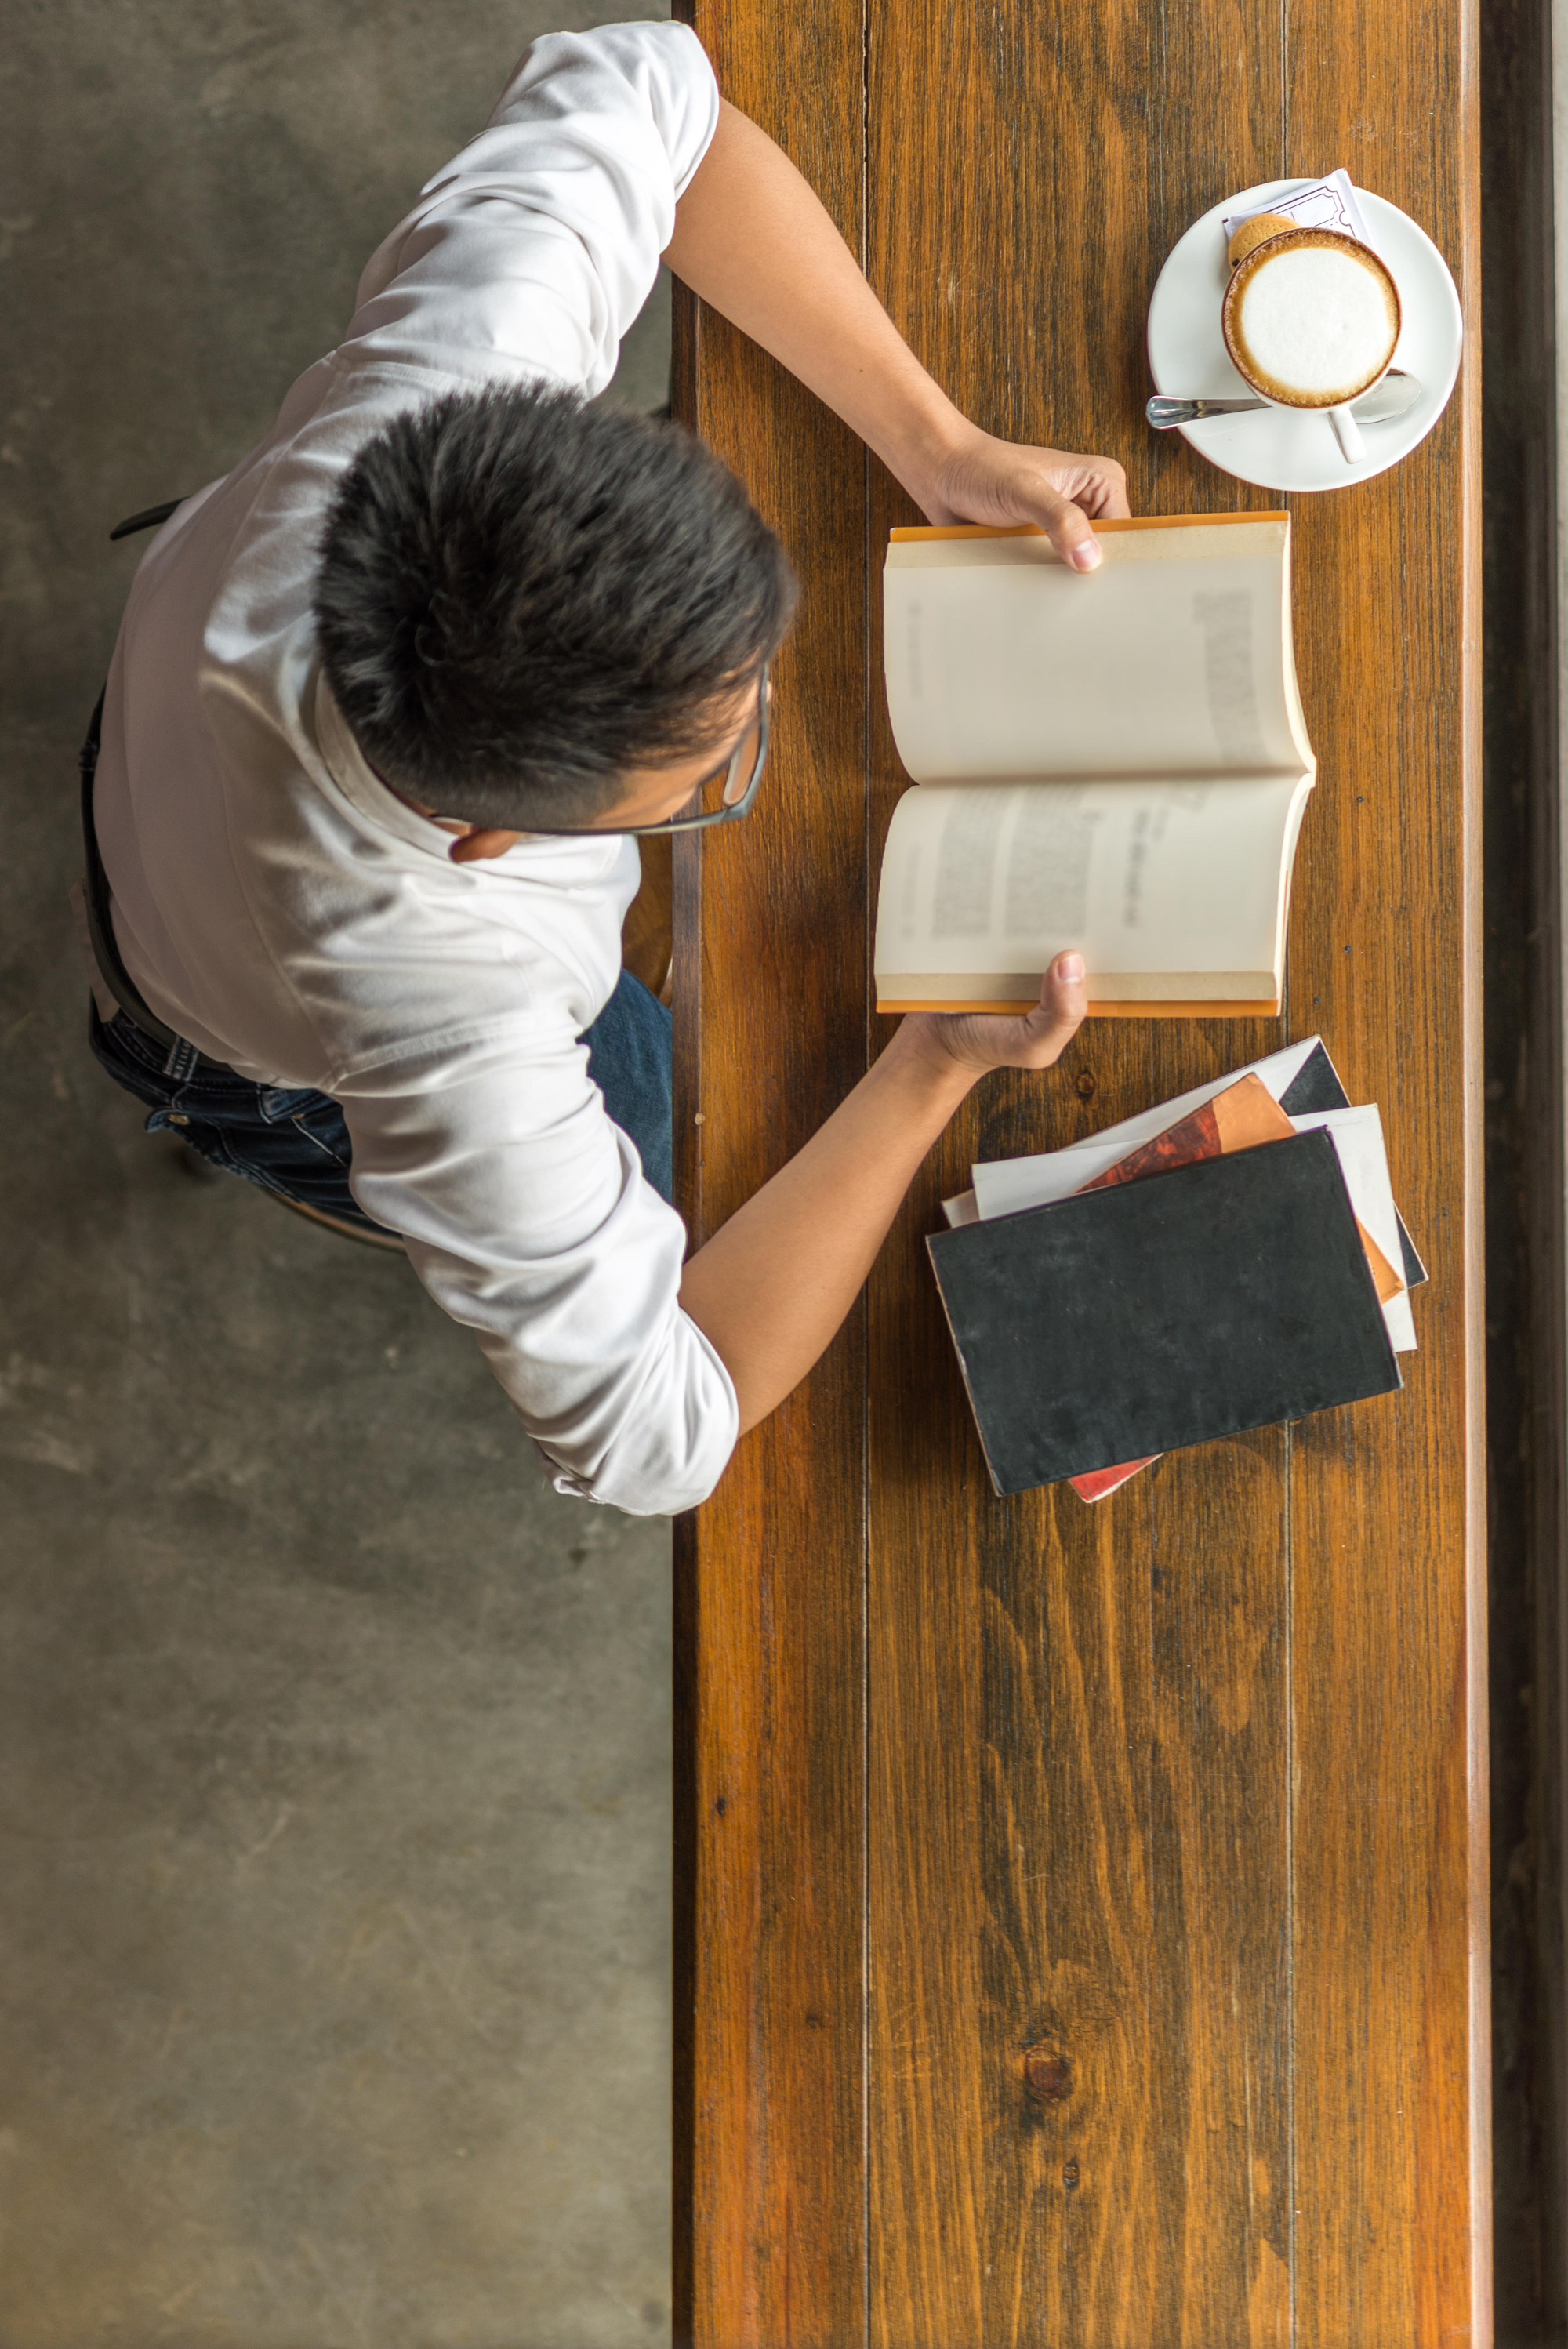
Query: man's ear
x: 476, y: 847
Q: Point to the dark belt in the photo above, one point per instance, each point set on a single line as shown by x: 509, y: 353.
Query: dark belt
x: 183, y: 1057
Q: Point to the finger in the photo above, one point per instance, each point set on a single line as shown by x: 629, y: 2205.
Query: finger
x: 1115, y: 506
x: 1069, y: 531
x: 479, y: 847
x: 1098, y: 484
x: 1064, y: 1000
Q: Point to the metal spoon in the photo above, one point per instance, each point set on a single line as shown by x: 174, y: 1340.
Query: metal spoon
x: 1391, y: 398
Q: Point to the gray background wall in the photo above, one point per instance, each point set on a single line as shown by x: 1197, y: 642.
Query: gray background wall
x: 333, y: 1745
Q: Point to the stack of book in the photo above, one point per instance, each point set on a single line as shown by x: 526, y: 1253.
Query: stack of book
x: 1228, y: 1260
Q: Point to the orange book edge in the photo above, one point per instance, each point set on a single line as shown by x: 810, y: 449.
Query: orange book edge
x: 1036, y: 530
x: 1267, y: 1008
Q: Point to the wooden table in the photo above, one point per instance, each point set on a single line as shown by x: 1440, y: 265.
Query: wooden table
x: 1082, y: 1913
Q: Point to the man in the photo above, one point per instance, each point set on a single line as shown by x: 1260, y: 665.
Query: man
x: 391, y: 701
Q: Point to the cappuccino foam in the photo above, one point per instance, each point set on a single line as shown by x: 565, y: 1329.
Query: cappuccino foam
x: 1316, y: 324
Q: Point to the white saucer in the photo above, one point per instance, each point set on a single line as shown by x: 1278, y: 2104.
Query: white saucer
x: 1278, y: 447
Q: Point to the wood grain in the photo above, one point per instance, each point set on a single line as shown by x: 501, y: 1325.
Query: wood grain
x: 647, y: 934
x: 769, y: 2117
x: 1105, y: 1842
x: 1139, y: 1850
x: 1388, y: 1659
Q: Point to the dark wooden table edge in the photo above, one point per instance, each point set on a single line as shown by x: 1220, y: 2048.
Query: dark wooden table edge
x: 1526, y: 1251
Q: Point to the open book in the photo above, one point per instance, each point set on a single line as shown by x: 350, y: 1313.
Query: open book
x: 1114, y: 761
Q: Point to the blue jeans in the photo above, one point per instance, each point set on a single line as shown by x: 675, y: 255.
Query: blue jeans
x: 295, y: 1142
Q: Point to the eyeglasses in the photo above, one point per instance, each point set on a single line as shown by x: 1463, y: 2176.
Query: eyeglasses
x: 722, y: 797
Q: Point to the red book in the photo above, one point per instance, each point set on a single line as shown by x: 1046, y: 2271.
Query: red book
x: 1102, y: 1482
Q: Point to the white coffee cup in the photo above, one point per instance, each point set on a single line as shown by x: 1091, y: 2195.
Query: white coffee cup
x: 1311, y: 319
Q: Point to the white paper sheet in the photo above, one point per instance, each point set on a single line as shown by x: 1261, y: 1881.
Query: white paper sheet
x: 1003, y: 1185
x: 1363, y: 1162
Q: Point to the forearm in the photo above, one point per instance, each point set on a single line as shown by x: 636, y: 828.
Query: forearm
x: 770, y: 1288
x: 753, y: 239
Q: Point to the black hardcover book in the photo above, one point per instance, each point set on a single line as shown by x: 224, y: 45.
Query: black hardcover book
x: 1224, y: 1295
x: 1315, y: 1085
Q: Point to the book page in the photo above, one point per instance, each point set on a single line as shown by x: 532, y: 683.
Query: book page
x: 1170, y: 890
x: 1174, y: 657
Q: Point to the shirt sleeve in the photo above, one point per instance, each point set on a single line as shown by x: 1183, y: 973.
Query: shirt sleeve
x: 533, y: 251
x: 527, y: 1217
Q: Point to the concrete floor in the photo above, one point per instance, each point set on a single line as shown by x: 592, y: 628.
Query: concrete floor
x: 334, y: 1768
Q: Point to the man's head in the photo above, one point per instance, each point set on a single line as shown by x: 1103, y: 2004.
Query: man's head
x: 530, y: 609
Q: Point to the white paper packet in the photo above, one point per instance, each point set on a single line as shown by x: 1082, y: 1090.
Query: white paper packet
x: 1314, y: 203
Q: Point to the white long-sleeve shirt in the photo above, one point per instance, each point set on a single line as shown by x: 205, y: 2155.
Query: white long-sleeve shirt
x: 279, y: 907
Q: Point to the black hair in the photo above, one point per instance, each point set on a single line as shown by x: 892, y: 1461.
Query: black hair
x: 522, y: 596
